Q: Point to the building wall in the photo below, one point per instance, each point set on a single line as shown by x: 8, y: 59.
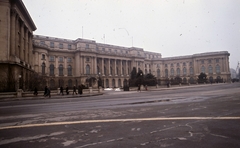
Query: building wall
x: 16, y: 44
x: 86, y: 59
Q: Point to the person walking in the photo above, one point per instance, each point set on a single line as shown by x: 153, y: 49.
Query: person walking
x: 74, y: 90
x: 67, y: 92
x: 48, y: 92
x: 61, y: 90
x: 45, y: 90
x: 139, y: 87
x: 35, y: 91
x: 79, y: 89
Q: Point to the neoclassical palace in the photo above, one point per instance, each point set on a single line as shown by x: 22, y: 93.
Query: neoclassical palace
x: 74, y: 62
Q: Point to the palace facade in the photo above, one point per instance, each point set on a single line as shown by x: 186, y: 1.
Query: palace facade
x: 73, y: 62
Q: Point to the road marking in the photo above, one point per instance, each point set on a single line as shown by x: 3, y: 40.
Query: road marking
x: 118, y: 120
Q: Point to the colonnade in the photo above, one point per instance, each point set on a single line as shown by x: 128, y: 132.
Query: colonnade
x: 21, y: 39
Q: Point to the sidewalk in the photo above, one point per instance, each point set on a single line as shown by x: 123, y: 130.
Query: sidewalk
x: 133, y: 90
x: 54, y: 96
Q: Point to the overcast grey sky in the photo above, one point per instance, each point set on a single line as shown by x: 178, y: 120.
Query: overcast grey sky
x: 169, y: 27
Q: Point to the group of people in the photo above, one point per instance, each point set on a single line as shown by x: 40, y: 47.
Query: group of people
x: 74, y: 90
x: 47, y: 91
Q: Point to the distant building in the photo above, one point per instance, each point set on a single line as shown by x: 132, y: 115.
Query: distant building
x: 73, y: 62
x: 233, y: 73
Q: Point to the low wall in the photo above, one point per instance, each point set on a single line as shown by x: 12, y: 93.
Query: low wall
x: 20, y: 93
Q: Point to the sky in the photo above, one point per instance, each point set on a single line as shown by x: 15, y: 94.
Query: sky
x: 170, y: 27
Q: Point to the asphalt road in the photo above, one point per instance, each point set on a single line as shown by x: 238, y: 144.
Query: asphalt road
x: 204, y: 116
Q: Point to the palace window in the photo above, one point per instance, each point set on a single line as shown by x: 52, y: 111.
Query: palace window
x: 87, y: 69
x: 158, y: 73
x: 202, y: 61
x: 191, y: 71
x: 69, y: 46
x: 217, y: 60
x: 43, y: 68
x: 52, y: 44
x: 217, y: 69
x: 60, y: 68
x: 210, y: 69
x: 178, y: 71
x: 51, y: 58
x: 69, y: 59
x: 184, y: 71
x: 60, y: 59
x: 203, y: 69
x: 51, y: 69
x: 172, y: 72
x: 60, y: 45
x: 184, y: 64
x: 43, y: 56
x: 166, y: 73
x: 87, y: 46
x: 69, y: 70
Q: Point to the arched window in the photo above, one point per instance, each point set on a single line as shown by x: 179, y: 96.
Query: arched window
x: 217, y: 69
x: 203, y: 69
x: 117, y: 70
x: 52, y: 83
x: 113, y: 83
x: 61, y: 83
x: 158, y: 73
x: 191, y: 71
x: 111, y: 71
x: 172, y: 72
x: 210, y: 69
x: 119, y: 83
x: 123, y: 71
x: 51, y: 70
x: 107, y: 83
x: 98, y: 70
x: 145, y: 71
x: 150, y: 71
x: 70, y: 83
x: 178, y: 71
x: 87, y: 69
x: 43, y: 68
x: 60, y: 68
x: 184, y: 80
x: 105, y: 70
x: 69, y: 70
x: 184, y: 71
x: 166, y: 73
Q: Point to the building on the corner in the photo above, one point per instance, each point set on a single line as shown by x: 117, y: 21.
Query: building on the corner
x: 73, y: 62
x: 16, y: 63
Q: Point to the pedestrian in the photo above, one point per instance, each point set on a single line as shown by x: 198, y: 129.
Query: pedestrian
x: 48, y: 93
x: 74, y: 90
x: 61, y: 90
x: 139, y: 87
x: 35, y: 91
x: 146, y: 87
x: 67, y: 92
x: 79, y: 89
x: 45, y: 90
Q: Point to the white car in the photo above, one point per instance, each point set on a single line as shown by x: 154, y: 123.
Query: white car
x: 108, y: 89
x: 117, y: 89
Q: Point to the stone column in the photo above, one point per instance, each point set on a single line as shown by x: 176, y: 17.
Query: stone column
x: 121, y: 67
x: 65, y: 66
x: 26, y: 45
x: 109, y: 69
x: 22, y: 41
x: 126, y: 68
x: 115, y: 67
x: 83, y: 67
x: 77, y: 62
x: 95, y: 66
x: 30, y: 45
x: 13, y: 31
x: 102, y: 69
x: 17, y: 36
x: 56, y: 71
